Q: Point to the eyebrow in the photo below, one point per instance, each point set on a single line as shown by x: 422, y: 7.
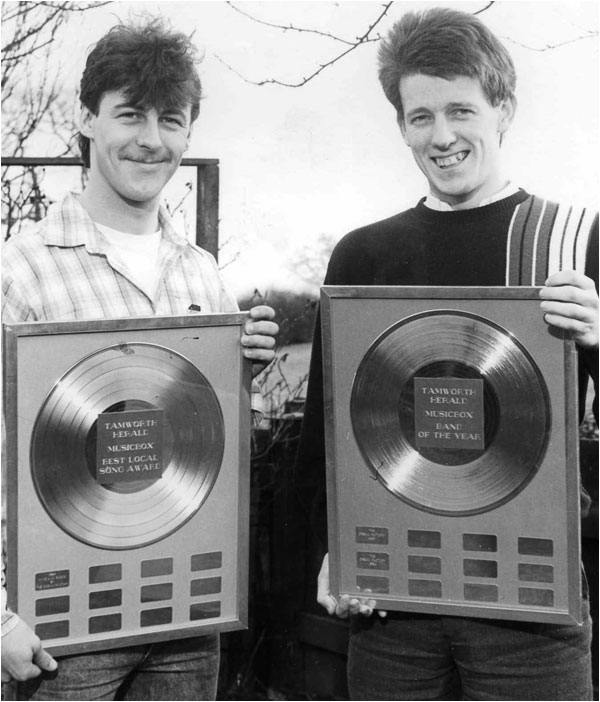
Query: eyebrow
x: 449, y: 106
x: 174, y: 111
x: 127, y: 105
x: 466, y: 103
x: 416, y: 110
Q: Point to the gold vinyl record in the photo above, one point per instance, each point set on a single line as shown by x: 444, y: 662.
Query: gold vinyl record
x: 445, y: 347
x: 127, y: 378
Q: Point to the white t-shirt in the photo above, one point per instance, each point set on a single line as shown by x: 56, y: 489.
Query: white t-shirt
x: 138, y: 253
x: 435, y: 203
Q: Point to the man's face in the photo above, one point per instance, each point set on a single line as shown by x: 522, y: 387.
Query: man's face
x: 134, y: 149
x: 454, y: 134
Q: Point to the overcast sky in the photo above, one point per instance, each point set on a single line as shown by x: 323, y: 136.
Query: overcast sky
x: 297, y: 163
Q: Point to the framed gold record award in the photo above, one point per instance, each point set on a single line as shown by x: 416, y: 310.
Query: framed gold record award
x: 128, y: 449
x: 452, y: 452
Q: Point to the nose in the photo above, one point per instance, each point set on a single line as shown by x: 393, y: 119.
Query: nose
x: 148, y: 135
x: 443, y: 135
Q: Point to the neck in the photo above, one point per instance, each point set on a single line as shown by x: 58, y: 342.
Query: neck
x: 105, y: 206
x: 489, y: 190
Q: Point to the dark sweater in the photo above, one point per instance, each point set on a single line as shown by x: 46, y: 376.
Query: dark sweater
x: 417, y: 247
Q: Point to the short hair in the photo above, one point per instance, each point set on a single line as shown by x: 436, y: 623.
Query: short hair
x: 445, y: 43
x: 152, y: 64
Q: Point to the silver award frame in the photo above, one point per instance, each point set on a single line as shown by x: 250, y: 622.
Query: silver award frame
x: 95, y: 562
x: 479, y: 516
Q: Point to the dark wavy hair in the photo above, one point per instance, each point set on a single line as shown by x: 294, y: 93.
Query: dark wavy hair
x: 152, y: 64
x: 445, y: 43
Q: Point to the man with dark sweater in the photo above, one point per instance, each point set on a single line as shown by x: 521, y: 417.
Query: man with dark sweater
x: 452, y: 84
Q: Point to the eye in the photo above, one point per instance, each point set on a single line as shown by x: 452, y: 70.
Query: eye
x: 419, y: 119
x: 462, y: 112
x: 173, y: 121
x: 130, y: 115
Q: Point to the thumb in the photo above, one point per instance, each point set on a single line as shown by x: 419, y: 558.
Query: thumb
x: 44, y: 660
x: 329, y: 602
x: 324, y: 596
x: 28, y: 671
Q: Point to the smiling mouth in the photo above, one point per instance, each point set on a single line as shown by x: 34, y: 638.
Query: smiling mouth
x: 145, y: 161
x: 449, y: 161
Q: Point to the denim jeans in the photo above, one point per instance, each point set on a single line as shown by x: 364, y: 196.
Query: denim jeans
x: 185, y: 669
x: 426, y: 657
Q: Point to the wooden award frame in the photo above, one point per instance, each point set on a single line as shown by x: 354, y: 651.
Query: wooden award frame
x: 169, y: 557
x: 516, y: 557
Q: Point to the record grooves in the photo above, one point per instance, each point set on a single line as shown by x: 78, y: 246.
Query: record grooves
x: 115, y: 378
x: 447, y: 344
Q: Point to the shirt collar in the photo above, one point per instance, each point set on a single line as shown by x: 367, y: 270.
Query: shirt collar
x: 68, y: 224
x: 436, y: 204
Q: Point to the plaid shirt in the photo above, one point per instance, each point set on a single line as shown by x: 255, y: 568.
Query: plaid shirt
x: 63, y: 270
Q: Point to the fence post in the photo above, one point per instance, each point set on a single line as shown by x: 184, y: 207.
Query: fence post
x: 207, y: 207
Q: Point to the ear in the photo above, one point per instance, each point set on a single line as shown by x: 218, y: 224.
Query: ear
x: 189, y: 136
x: 401, y: 124
x: 507, y: 110
x: 86, y: 122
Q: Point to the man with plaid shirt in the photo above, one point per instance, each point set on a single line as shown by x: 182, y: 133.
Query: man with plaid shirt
x: 113, y: 252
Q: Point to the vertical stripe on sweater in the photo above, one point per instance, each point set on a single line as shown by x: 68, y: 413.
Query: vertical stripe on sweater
x: 544, y: 238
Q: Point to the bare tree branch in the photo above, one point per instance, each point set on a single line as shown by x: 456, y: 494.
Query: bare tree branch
x: 232, y: 259
x: 354, y: 44
x: 33, y: 32
x: 483, y: 9
x: 34, y: 26
x: 549, y: 47
x: 34, y: 99
x: 364, y: 39
x: 290, y: 27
